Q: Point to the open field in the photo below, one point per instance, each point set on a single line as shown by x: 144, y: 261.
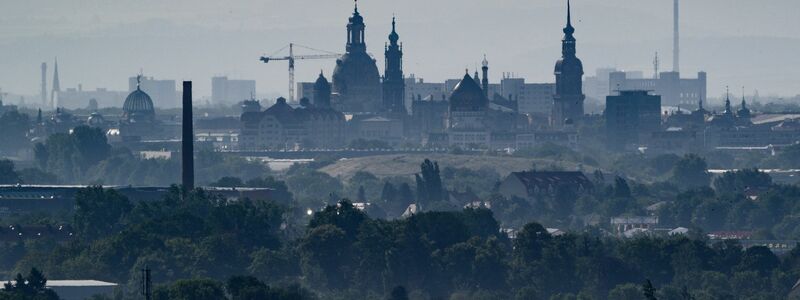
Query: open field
x: 408, y: 164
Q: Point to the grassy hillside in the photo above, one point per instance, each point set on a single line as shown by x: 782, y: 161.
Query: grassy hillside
x: 408, y: 164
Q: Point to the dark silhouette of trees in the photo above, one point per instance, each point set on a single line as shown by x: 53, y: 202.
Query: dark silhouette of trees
x: 741, y: 180
x: 99, y: 211
x: 14, y: 127
x: 429, y: 184
x: 691, y: 171
x: 30, y: 287
x: 7, y: 173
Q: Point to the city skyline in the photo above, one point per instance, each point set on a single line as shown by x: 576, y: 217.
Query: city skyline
x: 165, y: 44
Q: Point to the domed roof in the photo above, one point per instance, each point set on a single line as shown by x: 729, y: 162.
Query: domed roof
x: 322, y: 82
x: 138, y: 104
x: 569, y: 64
x: 468, y: 96
x: 356, y: 79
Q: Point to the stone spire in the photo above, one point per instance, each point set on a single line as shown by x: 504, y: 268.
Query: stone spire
x: 393, y: 79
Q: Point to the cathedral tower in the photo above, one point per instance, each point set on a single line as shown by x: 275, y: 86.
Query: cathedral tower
x: 394, y: 85
x: 568, y: 100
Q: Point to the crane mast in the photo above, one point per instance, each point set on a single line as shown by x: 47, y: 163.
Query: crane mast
x: 292, y: 57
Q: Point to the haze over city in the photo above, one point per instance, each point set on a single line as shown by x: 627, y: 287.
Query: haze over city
x: 101, y: 43
x: 399, y: 150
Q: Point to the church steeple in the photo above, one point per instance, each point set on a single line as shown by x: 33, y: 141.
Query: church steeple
x: 393, y: 81
x: 569, y: 98
x: 568, y: 43
x: 743, y: 111
x: 394, y: 37
x: 728, y: 110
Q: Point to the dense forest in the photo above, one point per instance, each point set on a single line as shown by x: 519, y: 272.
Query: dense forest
x: 309, y: 241
x: 197, y: 243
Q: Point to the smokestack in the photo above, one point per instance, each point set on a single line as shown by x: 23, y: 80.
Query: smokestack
x: 44, y: 84
x: 676, y: 52
x: 187, y: 149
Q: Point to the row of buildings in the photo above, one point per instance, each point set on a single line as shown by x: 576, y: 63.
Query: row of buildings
x: 224, y: 91
x: 635, y: 122
x: 469, y: 113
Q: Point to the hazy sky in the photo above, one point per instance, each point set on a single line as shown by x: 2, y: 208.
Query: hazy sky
x: 100, y: 43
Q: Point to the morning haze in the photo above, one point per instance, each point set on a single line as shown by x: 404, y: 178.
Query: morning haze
x: 424, y: 150
x: 102, y: 42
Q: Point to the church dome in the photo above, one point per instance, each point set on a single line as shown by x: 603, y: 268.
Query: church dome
x: 356, y: 79
x: 322, y: 83
x: 138, y: 105
x: 468, y: 96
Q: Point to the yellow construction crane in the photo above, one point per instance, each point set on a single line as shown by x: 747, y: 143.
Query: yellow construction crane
x: 291, y: 58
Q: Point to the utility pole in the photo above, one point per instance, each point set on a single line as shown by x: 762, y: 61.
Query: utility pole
x: 146, y: 284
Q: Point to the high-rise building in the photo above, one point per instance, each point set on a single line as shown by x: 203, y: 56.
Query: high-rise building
x: 568, y: 100
x: 356, y: 80
x: 228, y: 91
x: 673, y: 89
x: 393, y: 81
x: 631, y: 116
x: 44, y: 84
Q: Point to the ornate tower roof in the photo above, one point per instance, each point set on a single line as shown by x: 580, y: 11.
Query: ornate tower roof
x: 394, y: 37
x: 569, y: 98
x: 355, y: 32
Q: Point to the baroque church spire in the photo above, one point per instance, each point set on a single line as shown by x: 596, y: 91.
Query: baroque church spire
x: 568, y: 99
x: 393, y: 81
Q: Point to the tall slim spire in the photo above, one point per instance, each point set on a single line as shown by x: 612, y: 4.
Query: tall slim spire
x: 569, y: 30
x: 393, y: 79
x: 568, y: 99
x: 56, y: 85
x: 569, y: 15
x: 727, y: 101
x: 744, y: 104
x: 568, y: 43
